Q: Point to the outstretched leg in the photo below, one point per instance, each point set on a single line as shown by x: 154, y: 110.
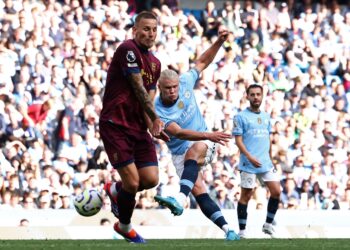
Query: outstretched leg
x: 188, y: 178
x: 212, y: 211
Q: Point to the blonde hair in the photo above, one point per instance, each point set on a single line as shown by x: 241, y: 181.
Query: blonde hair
x: 168, y: 74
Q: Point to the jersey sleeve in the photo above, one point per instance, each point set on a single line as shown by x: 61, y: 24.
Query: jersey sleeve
x: 189, y: 78
x: 129, y: 59
x: 237, y: 125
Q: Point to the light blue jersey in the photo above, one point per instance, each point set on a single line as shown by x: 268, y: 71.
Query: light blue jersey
x: 255, y: 129
x: 184, y: 112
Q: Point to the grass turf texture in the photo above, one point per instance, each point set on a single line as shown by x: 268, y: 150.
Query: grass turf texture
x: 202, y: 244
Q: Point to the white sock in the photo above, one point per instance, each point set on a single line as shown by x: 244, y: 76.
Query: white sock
x: 125, y: 227
x: 242, y: 231
x: 181, y: 198
x: 226, y: 228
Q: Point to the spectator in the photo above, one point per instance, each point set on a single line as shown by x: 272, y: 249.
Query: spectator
x: 209, y: 19
x: 222, y: 198
x: 289, y: 192
x: 58, y: 54
x: 24, y: 223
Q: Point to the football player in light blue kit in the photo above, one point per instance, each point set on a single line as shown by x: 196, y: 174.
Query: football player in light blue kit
x: 252, y: 128
x: 191, y: 144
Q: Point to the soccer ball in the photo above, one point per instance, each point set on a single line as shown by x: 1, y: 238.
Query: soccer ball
x: 88, y: 203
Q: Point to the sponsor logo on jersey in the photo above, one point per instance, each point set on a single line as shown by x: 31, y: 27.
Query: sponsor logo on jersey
x: 153, y: 67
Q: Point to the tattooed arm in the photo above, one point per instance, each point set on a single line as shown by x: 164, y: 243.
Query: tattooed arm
x: 146, y: 102
x: 163, y: 136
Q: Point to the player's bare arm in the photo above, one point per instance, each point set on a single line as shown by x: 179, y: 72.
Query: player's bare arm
x: 163, y: 136
x: 148, y: 121
x: 243, y: 150
x: 186, y: 134
x: 143, y: 97
x: 208, y: 56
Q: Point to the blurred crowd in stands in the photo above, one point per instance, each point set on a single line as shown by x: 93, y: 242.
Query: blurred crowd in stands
x: 53, y: 61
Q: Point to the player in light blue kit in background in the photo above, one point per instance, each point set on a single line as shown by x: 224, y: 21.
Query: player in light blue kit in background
x: 252, y: 128
x: 191, y: 144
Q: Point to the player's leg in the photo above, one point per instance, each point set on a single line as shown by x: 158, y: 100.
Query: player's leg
x: 187, y: 168
x: 272, y: 182
x: 247, y: 184
x: 194, y: 158
x: 143, y: 174
x: 119, y: 152
x: 272, y: 206
x: 149, y: 177
x: 211, y: 210
x: 126, y: 203
x: 119, y: 148
x: 146, y: 162
x: 126, y: 195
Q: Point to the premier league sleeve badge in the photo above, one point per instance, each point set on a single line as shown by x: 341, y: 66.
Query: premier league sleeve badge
x: 130, y: 56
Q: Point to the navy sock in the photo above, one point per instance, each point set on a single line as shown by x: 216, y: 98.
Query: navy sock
x: 242, y: 215
x: 210, y: 209
x: 272, y: 207
x: 126, y: 204
x: 189, y: 176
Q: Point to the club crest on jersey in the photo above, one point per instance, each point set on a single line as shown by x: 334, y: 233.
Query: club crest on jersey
x: 180, y: 105
x: 187, y: 94
x: 130, y: 56
x: 259, y: 120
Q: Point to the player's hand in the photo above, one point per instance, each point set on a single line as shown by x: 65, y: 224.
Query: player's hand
x: 163, y: 136
x: 223, y: 33
x: 219, y: 137
x: 157, y: 127
x: 254, y: 161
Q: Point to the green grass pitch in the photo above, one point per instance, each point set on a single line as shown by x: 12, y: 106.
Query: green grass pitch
x: 202, y: 244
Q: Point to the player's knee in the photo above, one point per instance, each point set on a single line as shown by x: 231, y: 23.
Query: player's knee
x: 244, y: 199
x: 196, y: 152
x: 150, y: 183
x: 131, y: 186
x: 276, y: 194
x: 153, y: 183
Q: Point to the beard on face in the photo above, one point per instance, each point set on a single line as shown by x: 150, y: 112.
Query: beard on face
x: 255, y: 105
